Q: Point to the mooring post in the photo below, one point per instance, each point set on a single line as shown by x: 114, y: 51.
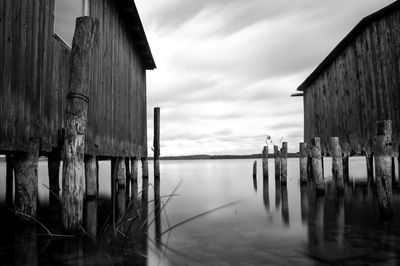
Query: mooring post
x: 369, y: 158
x: 284, y: 163
x: 145, y: 168
x: 317, y: 165
x: 25, y: 166
x: 309, y: 163
x: 53, y: 167
x: 91, y: 177
x: 156, y: 142
x: 383, y: 164
x: 255, y: 169
x: 265, y: 162
x: 393, y: 172
x: 75, y: 123
x: 121, y: 181
x: 337, y: 164
x: 134, y: 177
x: 9, y: 180
x: 303, y: 162
x: 128, y: 177
x: 277, y: 163
x: 346, y: 170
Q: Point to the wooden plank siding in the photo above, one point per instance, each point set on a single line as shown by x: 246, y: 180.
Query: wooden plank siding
x: 34, y: 67
x: 360, y: 85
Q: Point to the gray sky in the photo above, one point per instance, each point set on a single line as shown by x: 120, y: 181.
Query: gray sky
x: 226, y: 68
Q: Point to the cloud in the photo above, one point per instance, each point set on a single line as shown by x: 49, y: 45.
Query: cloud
x: 226, y: 68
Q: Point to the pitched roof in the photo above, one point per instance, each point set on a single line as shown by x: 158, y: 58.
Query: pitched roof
x: 361, y: 26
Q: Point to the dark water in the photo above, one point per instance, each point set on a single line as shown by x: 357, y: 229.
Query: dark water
x: 236, y: 221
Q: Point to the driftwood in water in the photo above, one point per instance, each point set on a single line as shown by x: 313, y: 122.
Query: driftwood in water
x: 265, y: 162
x: 156, y: 143
x: 383, y: 165
x: 75, y: 124
x: 337, y: 164
x: 277, y: 163
x: 25, y: 166
x: 317, y: 165
x: 284, y: 163
x: 303, y: 162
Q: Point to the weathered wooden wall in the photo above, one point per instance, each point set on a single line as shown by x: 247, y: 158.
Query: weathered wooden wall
x: 360, y: 86
x: 35, y: 72
x: 26, y: 49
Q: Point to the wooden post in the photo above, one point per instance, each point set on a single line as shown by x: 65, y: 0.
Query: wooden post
x: 157, y: 211
x: 265, y: 162
x: 309, y: 164
x: 25, y: 166
x: 346, y: 172
x: 393, y: 172
x: 277, y: 163
x: 303, y: 163
x: 90, y: 217
x: 304, y: 203
x: 75, y: 123
x: 9, y: 180
x: 383, y: 162
x: 121, y: 180
x: 284, y: 163
x: 266, y: 194
x: 53, y: 167
x: 156, y: 142
x: 145, y: 168
x: 369, y: 158
x: 285, y: 205
x: 91, y: 177
x: 317, y: 165
x: 128, y: 177
x: 134, y: 177
x: 337, y: 164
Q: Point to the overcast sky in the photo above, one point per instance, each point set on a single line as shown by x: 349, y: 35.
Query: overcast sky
x: 226, y: 68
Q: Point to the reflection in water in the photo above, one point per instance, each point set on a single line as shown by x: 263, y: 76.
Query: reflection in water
x: 25, y: 246
x: 285, y: 205
x: 304, y: 202
x: 277, y: 194
x: 255, y: 183
x: 340, y: 219
x: 266, y: 195
x: 157, y: 210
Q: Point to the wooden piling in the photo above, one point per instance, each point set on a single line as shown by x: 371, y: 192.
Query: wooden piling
x: 337, y: 164
x: 75, y: 123
x: 317, y: 165
x: 128, y: 177
x: 285, y: 206
x: 284, y: 163
x: 9, y: 180
x: 156, y: 142
x: 369, y: 158
x: 265, y: 162
x: 53, y: 167
x: 25, y: 166
x: 303, y: 163
x: 91, y: 177
x: 346, y: 170
x: 383, y: 163
x: 277, y: 163
x: 309, y: 164
x: 393, y: 172
x: 134, y: 176
x: 145, y: 168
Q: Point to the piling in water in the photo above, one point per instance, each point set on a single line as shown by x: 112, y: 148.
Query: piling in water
x: 25, y: 166
x: 128, y: 177
x: 75, y: 123
x: 284, y: 163
x: 121, y: 190
x: 53, y: 167
x: 346, y: 172
x: 134, y: 176
x: 383, y: 165
x: 317, y: 165
x: 369, y: 158
x: 91, y: 177
x: 337, y: 164
x: 255, y: 169
x: 393, y: 172
x: 277, y: 163
x: 156, y: 143
x: 265, y: 162
x: 9, y: 180
x: 303, y: 163
x: 145, y: 168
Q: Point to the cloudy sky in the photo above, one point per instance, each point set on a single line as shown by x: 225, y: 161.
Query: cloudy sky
x: 226, y: 68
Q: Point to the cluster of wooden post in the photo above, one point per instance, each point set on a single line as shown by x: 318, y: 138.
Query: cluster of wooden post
x: 281, y: 163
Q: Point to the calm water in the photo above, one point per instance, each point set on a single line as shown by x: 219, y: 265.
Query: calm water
x: 259, y: 223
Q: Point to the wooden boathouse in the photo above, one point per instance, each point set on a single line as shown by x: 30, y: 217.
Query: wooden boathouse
x: 35, y: 65
x: 356, y: 85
